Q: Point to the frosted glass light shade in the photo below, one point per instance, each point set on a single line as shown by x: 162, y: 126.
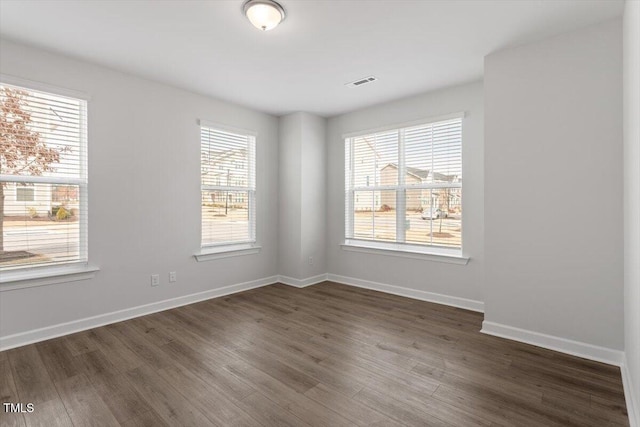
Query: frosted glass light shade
x: 264, y: 14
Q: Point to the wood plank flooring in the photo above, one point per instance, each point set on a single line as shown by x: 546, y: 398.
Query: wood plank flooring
x: 325, y: 355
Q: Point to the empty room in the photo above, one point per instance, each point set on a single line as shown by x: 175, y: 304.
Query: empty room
x: 320, y: 213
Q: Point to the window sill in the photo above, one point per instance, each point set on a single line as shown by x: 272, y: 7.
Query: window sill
x: 43, y: 276
x: 219, y: 252
x: 450, y: 256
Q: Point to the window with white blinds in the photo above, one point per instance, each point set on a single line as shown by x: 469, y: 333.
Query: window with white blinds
x: 228, y: 186
x: 404, y: 186
x: 43, y: 179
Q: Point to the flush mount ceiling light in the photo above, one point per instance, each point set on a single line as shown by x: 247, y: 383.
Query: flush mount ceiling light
x: 265, y: 15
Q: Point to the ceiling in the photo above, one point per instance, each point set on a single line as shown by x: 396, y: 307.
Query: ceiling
x: 209, y: 47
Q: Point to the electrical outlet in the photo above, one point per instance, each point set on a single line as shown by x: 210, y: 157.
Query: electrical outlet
x: 172, y: 276
x: 155, y: 279
x: 310, y: 260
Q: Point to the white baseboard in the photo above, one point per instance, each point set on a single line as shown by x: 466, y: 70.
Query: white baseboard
x: 465, y: 303
x: 48, y: 332
x: 301, y: 283
x: 633, y: 406
x: 576, y: 348
x: 563, y: 345
x: 54, y: 331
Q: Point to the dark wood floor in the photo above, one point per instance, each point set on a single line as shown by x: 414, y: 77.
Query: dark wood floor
x: 326, y: 355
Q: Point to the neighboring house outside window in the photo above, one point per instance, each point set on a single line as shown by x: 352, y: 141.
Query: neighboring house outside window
x: 404, y: 187
x: 43, y: 179
x: 227, y: 186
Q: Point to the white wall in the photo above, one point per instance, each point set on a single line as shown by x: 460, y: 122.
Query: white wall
x: 302, y: 204
x: 290, y: 188
x: 553, y: 186
x: 632, y: 198
x: 314, y: 195
x: 463, y: 281
x: 144, y: 202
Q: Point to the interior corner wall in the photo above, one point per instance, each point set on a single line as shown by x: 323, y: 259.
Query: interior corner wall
x: 553, y: 186
x: 313, y: 196
x: 144, y: 194
x: 632, y: 199
x: 302, y: 204
x: 417, y: 277
x: 289, y: 185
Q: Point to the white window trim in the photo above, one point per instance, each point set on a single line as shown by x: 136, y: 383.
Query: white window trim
x: 44, y: 87
x: 403, y: 250
x: 210, y: 253
x: 47, y: 275
x: 225, y: 128
x: 399, y: 249
x: 67, y: 272
x: 412, y: 123
x: 232, y: 249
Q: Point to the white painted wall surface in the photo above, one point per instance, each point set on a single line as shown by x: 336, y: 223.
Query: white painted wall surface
x: 632, y: 198
x: 313, y: 197
x: 463, y: 281
x: 553, y: 186
x: 302, y: 180
x: 144, y: 202
x: 290, y: 188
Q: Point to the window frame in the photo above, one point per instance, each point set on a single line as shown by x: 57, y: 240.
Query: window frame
x: 20, y: 195
x: 399, y: 247
x: 39, y: 275
x: 218, y: 250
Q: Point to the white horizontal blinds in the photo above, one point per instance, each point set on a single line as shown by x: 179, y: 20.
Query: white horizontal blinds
x: 228, y: 187
x: 374, y: 180
x: 374, y: 158
x: 405, y: 185
x: 43, y: 174
x: 433, y: 152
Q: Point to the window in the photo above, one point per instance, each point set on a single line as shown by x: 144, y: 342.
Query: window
x: 43, y: 162
x: 24, y: 193
x: 404, y: 186
x: 228, y: 192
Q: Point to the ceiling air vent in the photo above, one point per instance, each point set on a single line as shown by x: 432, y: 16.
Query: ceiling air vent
x: 361, y: 82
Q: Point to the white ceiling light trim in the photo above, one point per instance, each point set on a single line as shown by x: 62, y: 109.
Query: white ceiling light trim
x: 265, y: 15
